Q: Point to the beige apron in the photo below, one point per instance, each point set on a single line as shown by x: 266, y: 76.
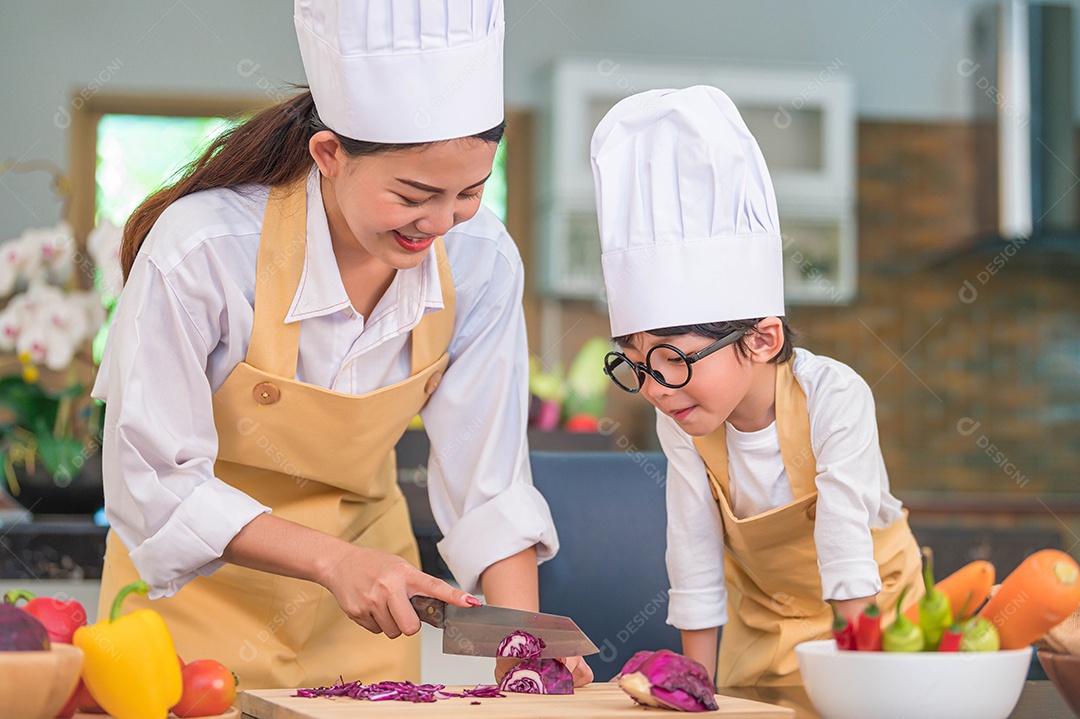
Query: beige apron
x: 771, y: 563
x: 316, y: 457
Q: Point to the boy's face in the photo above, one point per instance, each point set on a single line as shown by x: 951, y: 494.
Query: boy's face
x: 718, y: 384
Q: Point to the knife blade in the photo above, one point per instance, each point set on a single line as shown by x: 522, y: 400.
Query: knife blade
x: 478, y: 631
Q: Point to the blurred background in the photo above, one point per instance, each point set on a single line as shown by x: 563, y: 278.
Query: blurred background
x: 927, y: 166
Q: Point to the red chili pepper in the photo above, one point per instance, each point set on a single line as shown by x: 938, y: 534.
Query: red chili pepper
x: 868, y: 633
x: 950, y: 640
x: 843, y: 631
x: 60, y: 617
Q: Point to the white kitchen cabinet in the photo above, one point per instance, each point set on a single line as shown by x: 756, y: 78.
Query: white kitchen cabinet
x: 803, y: 120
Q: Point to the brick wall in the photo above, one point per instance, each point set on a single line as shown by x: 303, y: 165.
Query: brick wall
x: 974, y: 357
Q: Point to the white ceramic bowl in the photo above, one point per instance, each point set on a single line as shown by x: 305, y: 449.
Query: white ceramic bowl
x: 893, y: 685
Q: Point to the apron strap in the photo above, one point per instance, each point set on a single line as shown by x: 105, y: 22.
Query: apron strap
x: 793, y: 432
x: 274, y: 344
x: 431, y: 337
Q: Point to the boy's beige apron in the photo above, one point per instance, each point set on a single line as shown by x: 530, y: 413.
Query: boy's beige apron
x: 316, y: 457
x: 771, y: 562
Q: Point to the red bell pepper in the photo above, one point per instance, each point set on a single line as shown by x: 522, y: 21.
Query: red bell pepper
x: 61, y: 617
x: 868, y: 633
x: 843, y: 631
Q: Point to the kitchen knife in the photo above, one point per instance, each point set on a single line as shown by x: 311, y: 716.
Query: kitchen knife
x: 478, y: 631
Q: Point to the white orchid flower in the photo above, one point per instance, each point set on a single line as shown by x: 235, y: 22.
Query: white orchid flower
x: 104, y: 247
x: 11, y: 323
x: 89, y: 303
x: 58, y: 252
x: 11, y: 260
x: 45, y: 345
x: 31, y: 241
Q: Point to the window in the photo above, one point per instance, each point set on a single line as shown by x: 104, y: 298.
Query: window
x: 128, y: 147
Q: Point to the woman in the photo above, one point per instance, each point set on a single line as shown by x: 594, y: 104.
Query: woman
x: 320, y: 275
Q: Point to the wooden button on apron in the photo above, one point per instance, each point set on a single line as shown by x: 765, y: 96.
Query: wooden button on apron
x: 811, y: 511
x: 266, y: 393
x: 432, y: 383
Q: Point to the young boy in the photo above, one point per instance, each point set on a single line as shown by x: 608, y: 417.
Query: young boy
x: 777, y: 497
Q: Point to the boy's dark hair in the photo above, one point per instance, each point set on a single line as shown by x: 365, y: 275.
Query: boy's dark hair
x: 717, y: 330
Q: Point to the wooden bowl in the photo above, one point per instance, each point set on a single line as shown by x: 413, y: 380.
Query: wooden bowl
x: 34, y: 685
x: 1064, y: 672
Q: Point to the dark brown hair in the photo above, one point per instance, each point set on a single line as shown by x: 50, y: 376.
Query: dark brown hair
x: 269, y: 149
x: 717, y: 330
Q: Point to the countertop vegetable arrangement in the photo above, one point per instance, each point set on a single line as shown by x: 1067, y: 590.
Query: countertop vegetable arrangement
x: 963, y: 612
x: 130, y: 666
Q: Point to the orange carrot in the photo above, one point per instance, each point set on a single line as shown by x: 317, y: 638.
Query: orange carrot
x: 1040, y: 593
x: 974, y: 579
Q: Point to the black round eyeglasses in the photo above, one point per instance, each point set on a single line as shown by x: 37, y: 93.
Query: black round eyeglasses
x: 665, y: 363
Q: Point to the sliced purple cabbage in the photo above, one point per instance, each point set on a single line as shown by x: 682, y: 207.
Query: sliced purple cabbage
x: 668, y: 680
x: 520, y: 644
x: 397, y: 691
x: 538, y: 676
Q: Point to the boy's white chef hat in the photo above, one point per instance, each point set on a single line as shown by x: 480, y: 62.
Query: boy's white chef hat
x: 688, y: 221
x: 396, y: 72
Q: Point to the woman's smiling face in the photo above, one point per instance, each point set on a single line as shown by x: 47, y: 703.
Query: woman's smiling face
x: 393, y: 205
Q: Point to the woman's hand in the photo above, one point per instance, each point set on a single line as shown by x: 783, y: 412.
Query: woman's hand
x: 582, y: 672
x: 373, y: 588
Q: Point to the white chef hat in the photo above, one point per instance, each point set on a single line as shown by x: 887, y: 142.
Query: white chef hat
x: 396, y: 72
x: 688, y: 221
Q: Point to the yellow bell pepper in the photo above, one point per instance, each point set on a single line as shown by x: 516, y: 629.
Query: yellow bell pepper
x: 129, y: 663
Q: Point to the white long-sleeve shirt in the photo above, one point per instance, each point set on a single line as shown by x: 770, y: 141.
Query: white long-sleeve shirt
x: 184, y: 322
x: 852, y: 485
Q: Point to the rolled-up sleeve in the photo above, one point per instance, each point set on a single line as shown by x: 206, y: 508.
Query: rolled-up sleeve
x: 480, y: 483
x: 695, y: 541
x: 162, y: 497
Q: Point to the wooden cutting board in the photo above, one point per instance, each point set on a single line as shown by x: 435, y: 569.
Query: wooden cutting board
x: 596, y: 700
x: 233, y: 713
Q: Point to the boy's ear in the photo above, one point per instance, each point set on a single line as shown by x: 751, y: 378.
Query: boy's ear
x: 766, y: 341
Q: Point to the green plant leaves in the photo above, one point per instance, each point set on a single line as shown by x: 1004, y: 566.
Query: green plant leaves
x: 63, y: 458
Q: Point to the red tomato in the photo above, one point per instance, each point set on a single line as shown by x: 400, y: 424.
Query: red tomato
x: 80, y: 701
x: 209, y: 688
x: 582, y: 423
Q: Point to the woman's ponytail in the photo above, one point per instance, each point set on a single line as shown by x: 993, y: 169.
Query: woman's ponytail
x: 269, y: 149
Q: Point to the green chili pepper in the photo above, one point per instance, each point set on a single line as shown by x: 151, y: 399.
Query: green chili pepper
x: 903, y: 635
x: 935, y: 614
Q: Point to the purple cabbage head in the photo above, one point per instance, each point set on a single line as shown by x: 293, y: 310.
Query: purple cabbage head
x: 538, y: 676
x: 668, y: 680
x: 520, y: 644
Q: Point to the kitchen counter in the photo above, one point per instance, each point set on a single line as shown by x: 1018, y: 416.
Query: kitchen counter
x: 1040, y: 700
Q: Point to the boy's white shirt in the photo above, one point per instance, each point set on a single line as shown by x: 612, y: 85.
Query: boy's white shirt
x: 852, y: 485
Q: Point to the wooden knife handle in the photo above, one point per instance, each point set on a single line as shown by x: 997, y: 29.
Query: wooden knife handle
x: 430, y: 611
